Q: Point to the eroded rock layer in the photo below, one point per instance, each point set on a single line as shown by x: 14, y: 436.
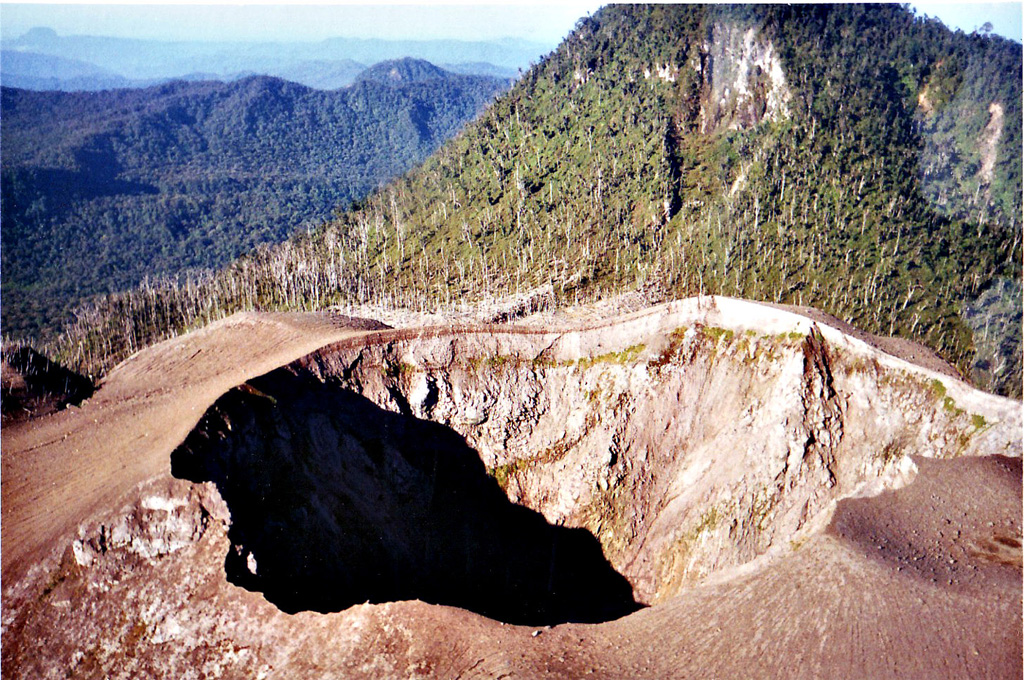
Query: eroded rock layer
x: 685, y: 447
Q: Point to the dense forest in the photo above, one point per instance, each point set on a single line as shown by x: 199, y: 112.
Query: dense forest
x: 851, y: 157
x: 102, y: 190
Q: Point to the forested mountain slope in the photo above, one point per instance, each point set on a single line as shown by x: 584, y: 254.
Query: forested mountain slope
x: 850, y: 157
x: 104, y: 189
x: 399, y: 71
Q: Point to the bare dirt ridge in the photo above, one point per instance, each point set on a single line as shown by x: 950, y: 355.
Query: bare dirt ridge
x: 767, y: 484
x: 73, y: 464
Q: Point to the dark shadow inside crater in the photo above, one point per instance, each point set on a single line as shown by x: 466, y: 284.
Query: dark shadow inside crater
x: 335, y: 501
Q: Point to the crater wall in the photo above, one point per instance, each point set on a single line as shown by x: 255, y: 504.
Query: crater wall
x: 687, y: 448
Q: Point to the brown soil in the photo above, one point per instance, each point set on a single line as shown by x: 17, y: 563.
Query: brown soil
x: 846, y: 604
x: 68, y: 466
x: 34, y: 386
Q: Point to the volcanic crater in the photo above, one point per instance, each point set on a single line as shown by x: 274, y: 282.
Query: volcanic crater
x: 631, y: 496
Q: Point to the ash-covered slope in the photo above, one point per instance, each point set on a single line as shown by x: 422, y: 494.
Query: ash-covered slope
x: 726, y: 462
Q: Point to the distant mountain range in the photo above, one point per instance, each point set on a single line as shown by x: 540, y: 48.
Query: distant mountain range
x: 102, y: 189
x: 854, y: 158
x: 43, y: 60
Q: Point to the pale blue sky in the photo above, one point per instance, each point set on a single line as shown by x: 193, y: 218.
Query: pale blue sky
x: 1004, y: 16
x: 545, y: 22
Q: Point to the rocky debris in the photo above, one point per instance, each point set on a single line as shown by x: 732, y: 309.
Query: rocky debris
x: 938, y: 530
x: 160, y: 524
x: 988, y: 144
x: 743, y: 80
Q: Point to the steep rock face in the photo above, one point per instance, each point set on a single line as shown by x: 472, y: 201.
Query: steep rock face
x: 335, y: 501
x: 685, y: 447
x: 743, y: 80
x: 988, y: 144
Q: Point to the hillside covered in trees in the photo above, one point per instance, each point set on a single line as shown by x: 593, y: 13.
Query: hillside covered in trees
x: 851, y: 157
x: 104, y: 189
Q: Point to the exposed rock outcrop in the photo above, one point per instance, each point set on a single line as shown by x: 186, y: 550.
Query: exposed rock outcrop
x: 684, y: 446
x: 743, y: 80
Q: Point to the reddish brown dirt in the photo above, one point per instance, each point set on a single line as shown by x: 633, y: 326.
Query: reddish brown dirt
x: 845, y: 604
x: 837, y: 607
x: 68, y: 466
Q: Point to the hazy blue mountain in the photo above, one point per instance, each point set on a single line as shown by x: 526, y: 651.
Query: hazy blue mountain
x: 481, y: 68
x: 47, y: 65
x: 34, y: 71
x: 151, y: 59
x: 508, y: 52
x: 133, y: 59
x: 322, y: 74
x: 31, y: 71
x: 402, y: 71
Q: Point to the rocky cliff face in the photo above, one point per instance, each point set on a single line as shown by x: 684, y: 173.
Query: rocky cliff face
x: 530, y: 476
x: 686, y: 447
x: 743, y: 80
